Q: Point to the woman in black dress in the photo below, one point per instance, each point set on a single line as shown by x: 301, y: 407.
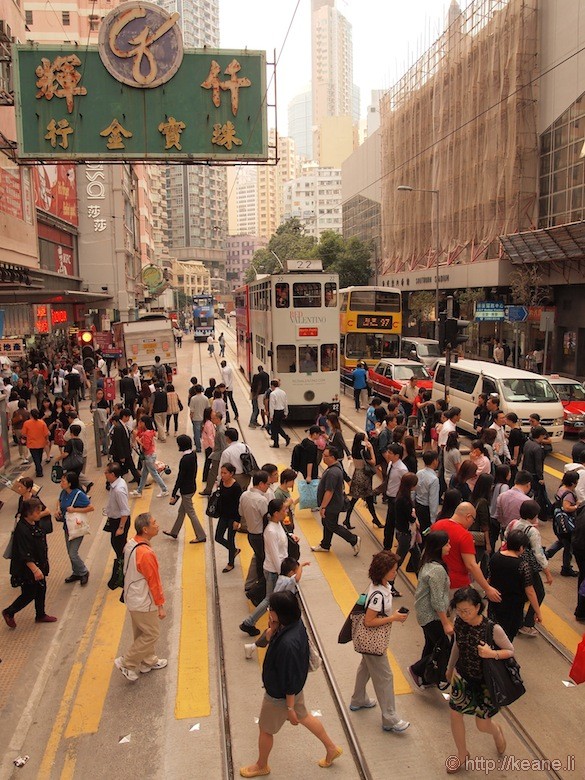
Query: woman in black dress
x: 406, y: 522
x: 229, y: 515
x: 410, y: 460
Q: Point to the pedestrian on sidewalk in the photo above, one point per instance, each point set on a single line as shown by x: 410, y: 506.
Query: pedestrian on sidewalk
x: 219, y: 445
x: 73, y: 499
x: 228, y: 521
x: 174, y: 406
x: 118, y: 508
x: 278, y: 407
x: 160, y: 407
x: 227, y: 374
x: 36, y: 437
x: 331, y: 498
x: 198, y: 403
x: 186, y: 485
x: 144, y: 599
x: 145, y: 436
x: 221, y: 342
x: 360, y: 383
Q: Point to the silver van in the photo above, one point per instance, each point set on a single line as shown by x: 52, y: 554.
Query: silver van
x: 425, y: 351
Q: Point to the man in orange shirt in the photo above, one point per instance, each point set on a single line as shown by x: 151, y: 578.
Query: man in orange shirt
x: 36, y: 434
x: 144, y: 598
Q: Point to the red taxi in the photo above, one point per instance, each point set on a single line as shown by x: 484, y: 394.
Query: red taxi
x: 572, y: 395
x: 389, y: 376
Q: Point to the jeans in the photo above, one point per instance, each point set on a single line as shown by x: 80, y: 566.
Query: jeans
x: 271, y: 578
x: 225, y: 526
x: 357, y: 395
x: 77, y: 565
x: 229, y: 394
x: 175, y: 417
x: 37, y: 458
x: 197, y: 424
x: 255, y: 411
x: 563, y: 543
x: 30, y: 591
x: 331, y: 526
x: 149, y: 468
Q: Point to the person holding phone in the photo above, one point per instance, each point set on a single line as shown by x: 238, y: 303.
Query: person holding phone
x: 376, y: 667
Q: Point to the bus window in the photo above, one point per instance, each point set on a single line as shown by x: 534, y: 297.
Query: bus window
x: 374, y: 301
x: 371, y: 346
x: 281, y: 293
x: 330, y: 294
x: 307, y: 295
x: 343, y: 302
x: 286, y: 359
x: 328, y: 357
x: 308, y: 359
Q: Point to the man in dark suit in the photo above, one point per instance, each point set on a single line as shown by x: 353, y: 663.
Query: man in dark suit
x: 128, y: 390
x: 160, y: 404
x: 120, y: 446
x: 186, y: 486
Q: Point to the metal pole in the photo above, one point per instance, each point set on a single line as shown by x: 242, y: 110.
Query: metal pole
x: 545, y: 349
x: 437, y: 201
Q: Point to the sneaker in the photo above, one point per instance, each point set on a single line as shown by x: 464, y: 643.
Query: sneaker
x: 318, y: 548
x: 417, y: 680
x: 135, y: 493
x: 25, y: 461
x: 249, y: 651
x: 129, y: 674
x: 9, y: 619
x: 569, y: 573
x: 160, y: 664
x: 368, y: 706
x: 399, y: 727
x: 163, y: 494
x: 395, y: 593
x: 528, y: 631
x: 356, y: 547
x: 249, y: 629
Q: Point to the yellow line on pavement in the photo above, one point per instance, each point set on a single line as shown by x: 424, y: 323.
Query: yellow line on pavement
x: 91, y: 695
x: 342, y: 587
x: 560, y: 456
x: 192, y: 699
x: 560, y: 629
x: 553, y: 472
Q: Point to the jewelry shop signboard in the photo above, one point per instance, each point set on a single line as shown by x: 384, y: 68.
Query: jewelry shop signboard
x: 140, y: 95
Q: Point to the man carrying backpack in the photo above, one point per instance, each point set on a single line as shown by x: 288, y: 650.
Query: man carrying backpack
x: 158, y: 371
x: 305, y: 456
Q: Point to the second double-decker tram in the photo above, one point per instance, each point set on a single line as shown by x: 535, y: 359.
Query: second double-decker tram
x: 289, y: 323
x: 370, y: 321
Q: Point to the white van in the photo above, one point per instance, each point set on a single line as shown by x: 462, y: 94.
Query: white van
x: 522, y: 392
x: 425, y: 351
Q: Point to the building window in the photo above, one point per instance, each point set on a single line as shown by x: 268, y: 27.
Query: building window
x: 94, y: 23
x: 28, y: 17
x: 65, y: 18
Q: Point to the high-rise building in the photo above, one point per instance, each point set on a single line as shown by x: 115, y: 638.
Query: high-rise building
x: 300, y: 123
x: 314, y: 198
x: 197, y: 194
x: 240, y: 250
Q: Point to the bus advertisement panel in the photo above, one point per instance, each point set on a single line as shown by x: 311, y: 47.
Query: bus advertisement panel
x: 202, y: 317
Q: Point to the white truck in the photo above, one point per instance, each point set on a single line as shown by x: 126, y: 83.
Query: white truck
x: 142, y: 340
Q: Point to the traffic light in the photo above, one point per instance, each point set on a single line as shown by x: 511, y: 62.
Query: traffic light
x: 85, y: 340
x: 455, y: 332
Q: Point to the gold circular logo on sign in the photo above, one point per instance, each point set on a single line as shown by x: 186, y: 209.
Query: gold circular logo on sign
x: 141, y: 44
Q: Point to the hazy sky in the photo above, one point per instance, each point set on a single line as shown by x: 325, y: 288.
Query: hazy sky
x: 388, y: 35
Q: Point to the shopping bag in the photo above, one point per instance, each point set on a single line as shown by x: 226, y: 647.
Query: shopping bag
x: 308, y: 494
x: 577, y: 673
x: 77, y: 524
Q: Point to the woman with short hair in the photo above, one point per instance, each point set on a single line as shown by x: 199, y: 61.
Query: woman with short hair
x: 364, y: 464
x: 73, y: 499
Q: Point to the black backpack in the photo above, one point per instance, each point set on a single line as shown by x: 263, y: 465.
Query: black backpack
x: 249, y: 463
x: 297, y: 459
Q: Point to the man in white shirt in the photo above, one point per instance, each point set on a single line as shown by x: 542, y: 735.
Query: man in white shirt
x: 74, y: 420
x: 227, y: 375
x: 278, y: 407
x: 253, y: 507
x: 500, y: 444
x: 394, y: 473
x: 232, y: 454
x: 453, y: 416
x: 198, y: 403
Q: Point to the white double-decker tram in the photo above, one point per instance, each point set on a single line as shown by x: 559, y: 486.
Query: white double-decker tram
x: 291, y: 327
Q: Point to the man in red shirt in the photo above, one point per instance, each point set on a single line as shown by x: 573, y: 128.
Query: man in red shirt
x: 461, y: 563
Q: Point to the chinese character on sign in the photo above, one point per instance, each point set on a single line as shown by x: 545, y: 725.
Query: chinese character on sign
x: 99, y: 225
x: 234, y: 83
x: 94, y: 211
x: 115, y: 131
x: 59, y: 79
x: 225, y: 135
x: 60, y: 129
x: 172, y: 132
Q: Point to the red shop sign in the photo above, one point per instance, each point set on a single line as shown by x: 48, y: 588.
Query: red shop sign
x: 308, y: 332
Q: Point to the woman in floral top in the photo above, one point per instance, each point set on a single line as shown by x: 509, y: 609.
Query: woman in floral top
x: 145, y: 436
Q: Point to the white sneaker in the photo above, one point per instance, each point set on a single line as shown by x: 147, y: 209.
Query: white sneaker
x: 160, y: 664
x: 402, y: 725
x: 528, y: 631
x: 135, y: 494
x: 318, y: 548
x: 356, y: 547
x: 163, y: 494
x: 249, y: 650
x: 25, y: 461
x: 129, y: 674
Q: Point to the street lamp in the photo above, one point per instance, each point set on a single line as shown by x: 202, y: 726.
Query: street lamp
x: 407, y: 188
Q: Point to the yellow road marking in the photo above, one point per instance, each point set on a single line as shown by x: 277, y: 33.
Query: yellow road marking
x: 560, y: 629
x: 91, y: 695
x: 562, y: 457
x: 553, y: 472
x: 342, y: 587
x: 192, y: 699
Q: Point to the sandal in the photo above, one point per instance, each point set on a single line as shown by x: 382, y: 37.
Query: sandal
x: 500, y: 741
x: 229, y: 567
x: 325, y: 763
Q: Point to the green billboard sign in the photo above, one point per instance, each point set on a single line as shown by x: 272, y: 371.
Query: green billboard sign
x: 126, y: 99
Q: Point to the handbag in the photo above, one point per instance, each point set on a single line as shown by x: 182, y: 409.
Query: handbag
x: 563, y: 522
x: 249, y: 464
x: 7, y: 554
x: 308, y: 494
x: 46, y: 524
x: 315, y: 659
x: 213, y: 504
x: 369, y: 469
x: 502, y: 678
x: 117, y: 579
x: 577, y: 673
x: 369, y: 640
x: 345, y: 634
x: 77, y: 522
x: 294, y: 548
x: 56, y: 473
x: 59, y: 437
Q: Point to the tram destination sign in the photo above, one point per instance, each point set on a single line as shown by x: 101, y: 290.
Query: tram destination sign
x: 140, y: 95
x: 374, y: 322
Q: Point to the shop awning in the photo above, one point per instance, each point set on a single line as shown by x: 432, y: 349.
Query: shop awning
x: 37, y: 295
x: 555, y: 244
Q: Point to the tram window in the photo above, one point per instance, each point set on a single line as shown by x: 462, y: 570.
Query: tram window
x: 330, y: 294
x: 282, y: 295
x: 307, y: 295
x: 286, y: 359
x: 308, y: 356
x: 329, y: 357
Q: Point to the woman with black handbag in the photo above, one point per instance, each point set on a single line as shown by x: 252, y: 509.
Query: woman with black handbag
x: 469, y: 690
x: 377, y: 619
x: 431, y: 601
x: 364, y: 464
x: 226, y: 510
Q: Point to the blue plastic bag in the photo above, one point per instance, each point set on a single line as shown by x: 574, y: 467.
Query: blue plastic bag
x: 308, y: 494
